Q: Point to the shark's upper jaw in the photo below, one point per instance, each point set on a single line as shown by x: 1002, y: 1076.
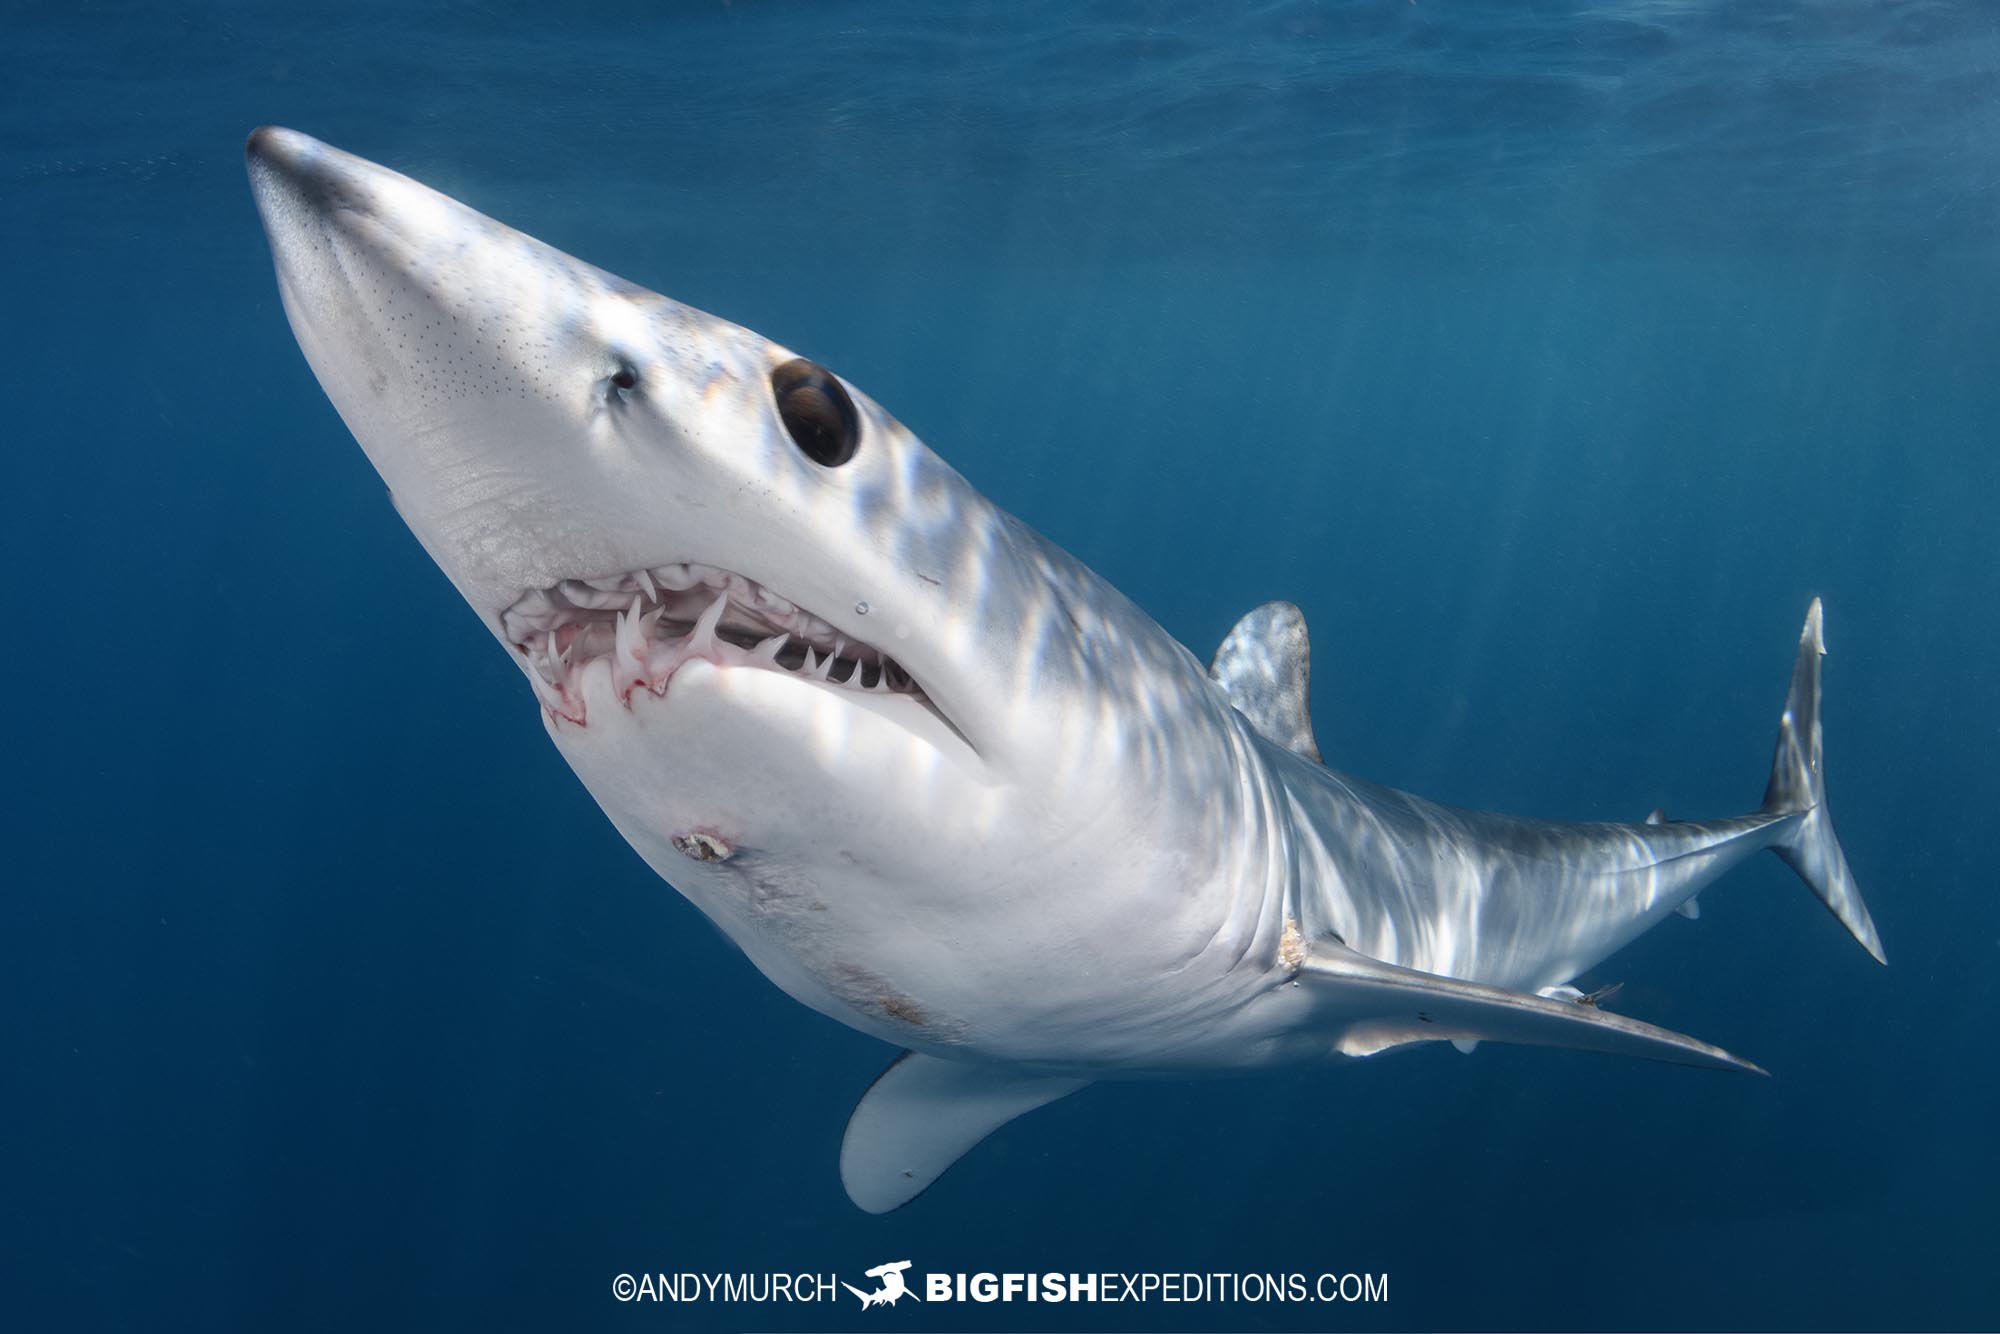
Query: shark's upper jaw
x: 645, y: 625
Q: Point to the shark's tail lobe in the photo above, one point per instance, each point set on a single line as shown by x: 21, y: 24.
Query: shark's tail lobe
x: 1798, y: 787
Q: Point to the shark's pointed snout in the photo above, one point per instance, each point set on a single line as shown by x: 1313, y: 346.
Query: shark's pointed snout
x: 296, y: 177
x: 275, y: 146
x: 331, y: 216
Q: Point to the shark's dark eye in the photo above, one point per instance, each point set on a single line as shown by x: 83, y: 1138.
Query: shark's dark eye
x: 817, y: 412
x: 625, y: 378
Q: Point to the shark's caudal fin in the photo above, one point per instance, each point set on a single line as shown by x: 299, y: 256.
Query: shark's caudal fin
x: 1798, y: 786
x: 922, y: 1114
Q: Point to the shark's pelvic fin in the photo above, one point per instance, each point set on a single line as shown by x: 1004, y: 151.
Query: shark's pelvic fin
x: 1798, y: 787
x: 1375, y: 1006
x: 1265, y: 667
x: 922, y: 1114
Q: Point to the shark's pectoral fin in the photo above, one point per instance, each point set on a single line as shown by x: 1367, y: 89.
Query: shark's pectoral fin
x: 922, y: 1114
x: 1373, y: 1006
x: 1265, y: 667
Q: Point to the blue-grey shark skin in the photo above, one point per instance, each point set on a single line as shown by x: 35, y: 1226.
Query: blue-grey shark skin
x: 936, y: 778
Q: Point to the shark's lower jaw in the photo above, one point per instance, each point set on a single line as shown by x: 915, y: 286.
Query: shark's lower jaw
x: 648, y: 623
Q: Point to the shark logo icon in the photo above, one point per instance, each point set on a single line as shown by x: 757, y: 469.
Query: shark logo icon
x: 893, y: 1288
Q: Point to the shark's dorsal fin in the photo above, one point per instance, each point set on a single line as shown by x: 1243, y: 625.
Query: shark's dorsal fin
x: 1265, y: 667
x: 922, y: 1114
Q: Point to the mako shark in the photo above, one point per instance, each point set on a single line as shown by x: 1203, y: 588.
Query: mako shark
x: 937, y: 779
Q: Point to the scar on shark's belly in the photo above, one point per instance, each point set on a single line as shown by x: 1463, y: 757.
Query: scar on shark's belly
x: 873, y: 996
x: 775, y: 896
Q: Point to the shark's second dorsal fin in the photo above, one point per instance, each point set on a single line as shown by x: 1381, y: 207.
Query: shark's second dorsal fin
x: 922, y: 1114
x: 1265, y: 667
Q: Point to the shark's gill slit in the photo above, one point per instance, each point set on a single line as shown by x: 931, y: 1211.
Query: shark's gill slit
x: 649, y: 622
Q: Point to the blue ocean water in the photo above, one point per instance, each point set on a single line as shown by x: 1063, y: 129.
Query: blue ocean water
x: 1550, y: 356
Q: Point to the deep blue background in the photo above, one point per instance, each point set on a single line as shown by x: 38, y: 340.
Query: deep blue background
x: 1551, y: 357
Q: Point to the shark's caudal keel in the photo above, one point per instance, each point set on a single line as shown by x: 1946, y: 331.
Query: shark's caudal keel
x: 937, y: 779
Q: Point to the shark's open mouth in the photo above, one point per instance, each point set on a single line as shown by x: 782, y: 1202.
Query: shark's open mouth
x: 646, y: 624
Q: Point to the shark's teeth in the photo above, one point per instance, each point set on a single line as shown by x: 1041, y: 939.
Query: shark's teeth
x: 557, y: 701
x: 703, y: 639
x: 629, y: 669
x: 646, y: 624
x: 631, y: 642
x: 580, y: 593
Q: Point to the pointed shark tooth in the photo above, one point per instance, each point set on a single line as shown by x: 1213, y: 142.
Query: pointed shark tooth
x: 703, y: 638
x: 557, y: 701
x: 630, y: 642
x: 586, y: 593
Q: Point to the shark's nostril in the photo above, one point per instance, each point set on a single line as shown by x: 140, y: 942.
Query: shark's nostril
x: 621, y: 384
